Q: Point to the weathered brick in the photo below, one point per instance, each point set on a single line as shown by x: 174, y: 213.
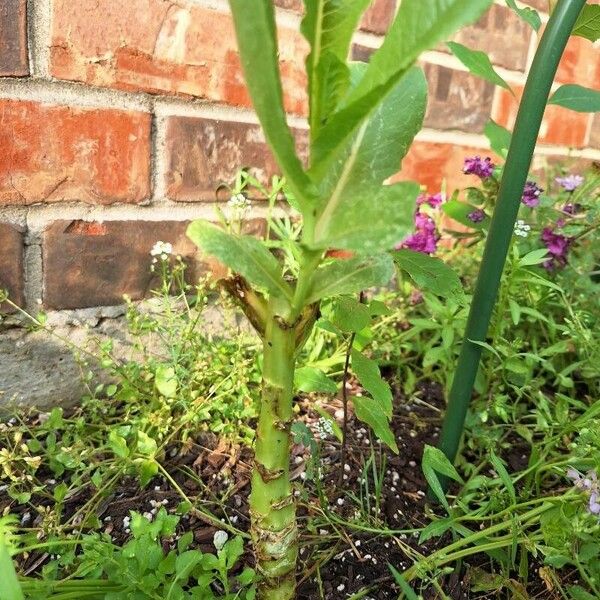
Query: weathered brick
x: 379, y: 16
x: 457, y: 100
x: 538, y: 4
x: 52, y: 153
x: 295, y: 5
x: 11, y: 264
x: 95, y: 264
x: 203, y: 154
x: 595, y: 132
x: 361, y: 53
x: 436, y: 164
x: 501, y: 35
x: 163, y: 47
x: 580, y: 63
x: 13, y: 38
x: 559, y: 126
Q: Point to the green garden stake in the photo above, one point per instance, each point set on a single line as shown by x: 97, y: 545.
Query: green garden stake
x: 516, y: 169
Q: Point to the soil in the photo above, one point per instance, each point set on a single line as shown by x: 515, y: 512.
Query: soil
x: 330, y: 564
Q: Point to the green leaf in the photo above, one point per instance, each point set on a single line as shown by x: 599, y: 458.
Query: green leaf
x: 369, y: 412
x: 350, y: 315
x: 118, y: 444
x: 367, y: 372
x: 588, y: 23
x: 370, y: 223
x: 257, y: 42
x: 535, y: 257
x: 529, y: 15
x: 11, y: 589
x: 417, y: 27
x: 460, y: 211
x: 499, y: 138
x: 350, y: 276
x: 435, y: 529
x: 577, y: 98
x: 578, y: 593
x: 504, y: 476
x: 166, y: 381
x: 147, y: 470
x: 328, y: 26
x: 375, y: 152
x: 310, y: 379
x: 434, y: 462
x: 478, y: 63
x: 430, y: 274
x: 243, y: 254
x: 145, y: 444
x: 403, y: 584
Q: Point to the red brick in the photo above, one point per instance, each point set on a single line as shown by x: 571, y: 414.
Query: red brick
x: 11, y: 264
x: 580, y: 63
x: 361, y: 53
x: 541, y: 5
x: 595, y: 132
x: 95, y: 264
x: 379, y: 16
x: 437, y: 164
x: 204, y: 154
x: 457, y: 100
x: 13, y: 38
x: 295, y: 5
x: 501, y: 35
x: 559, y: 126
x: 161, y: 47
x: 53, y: 153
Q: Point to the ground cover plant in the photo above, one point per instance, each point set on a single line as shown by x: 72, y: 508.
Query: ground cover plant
x: 144, y: 491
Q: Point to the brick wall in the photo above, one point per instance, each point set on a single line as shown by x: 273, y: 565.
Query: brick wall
x: 120, y: 118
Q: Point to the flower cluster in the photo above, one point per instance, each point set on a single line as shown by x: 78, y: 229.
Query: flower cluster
x: 531, y: 194
x: 476, y: 216
x: 570, y: 183
x: 522, y: 229
x: 558, y: 247
x: 482, y: 167
x: 161, y: 250
x: 588, y: 483
x: 434, y: 201
x: 425, y: 238
x: 239, y: 203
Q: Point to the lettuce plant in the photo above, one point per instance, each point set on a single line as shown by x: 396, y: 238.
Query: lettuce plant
x: 362, y: 120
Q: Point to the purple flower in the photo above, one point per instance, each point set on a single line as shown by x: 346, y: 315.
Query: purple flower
x: 433, y: 201
x: 570, y: 182
x: 558, y: 247
x: 476, y: 216
x: 594, y: 504
x: 425, y: 238
x: 531, y: 194
x: 475, y: 165
x: 572, y: 209
x: 590, y: 484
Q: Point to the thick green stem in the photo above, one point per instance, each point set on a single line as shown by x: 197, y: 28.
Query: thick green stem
x: 273, y: 512
x: 518, y: 161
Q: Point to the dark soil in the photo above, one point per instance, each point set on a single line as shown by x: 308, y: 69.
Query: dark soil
x: 218, y: 474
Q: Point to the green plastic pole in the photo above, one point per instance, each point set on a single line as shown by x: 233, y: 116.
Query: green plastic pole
x: 518, y: 162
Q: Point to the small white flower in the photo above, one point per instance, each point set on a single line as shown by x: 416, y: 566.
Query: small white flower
x: 522, y: 229
x: 219, y: 540
x: 239, y: 202
x: 162, y: 249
